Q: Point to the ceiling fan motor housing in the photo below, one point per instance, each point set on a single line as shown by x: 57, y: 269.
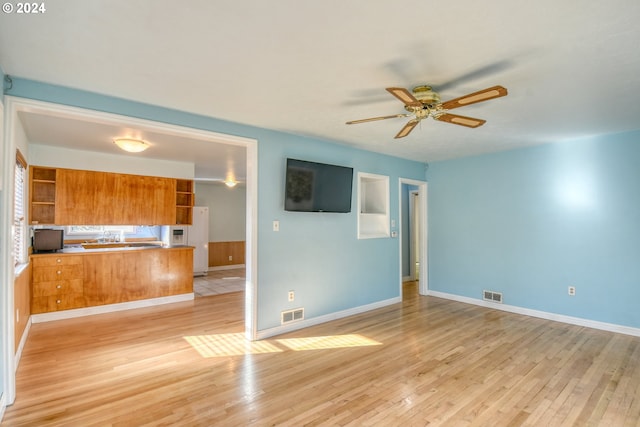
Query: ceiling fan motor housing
x: 426, y: 95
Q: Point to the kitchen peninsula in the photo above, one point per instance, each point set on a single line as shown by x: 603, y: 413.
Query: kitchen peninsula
x: 78, y: 277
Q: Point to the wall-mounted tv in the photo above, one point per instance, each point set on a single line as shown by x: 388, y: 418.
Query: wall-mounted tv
x: 47, y: 240
x: 317, y: 187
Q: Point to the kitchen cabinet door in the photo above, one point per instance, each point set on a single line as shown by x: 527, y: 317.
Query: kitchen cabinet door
x: 147, y: 200
x: 83, y: 197
x: 102, y: 198
x: 160, y: 199
x: 116, y: 277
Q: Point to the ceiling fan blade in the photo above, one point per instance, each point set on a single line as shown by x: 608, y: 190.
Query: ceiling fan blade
x: 407, y: 128
x: 373, y: 119
x: 405, y: 96
x: 460, y: 120
x: 472, y: 98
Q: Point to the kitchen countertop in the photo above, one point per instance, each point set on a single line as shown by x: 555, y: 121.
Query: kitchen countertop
x: 79, y: 249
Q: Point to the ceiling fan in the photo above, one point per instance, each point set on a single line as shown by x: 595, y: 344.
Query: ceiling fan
x: 423, y: 102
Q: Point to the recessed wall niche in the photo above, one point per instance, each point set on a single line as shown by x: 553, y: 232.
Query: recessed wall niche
x: 373, y: 206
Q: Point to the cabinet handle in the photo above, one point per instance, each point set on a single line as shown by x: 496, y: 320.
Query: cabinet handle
x: 58, y: 301
x: 59, y: 287
x: 58, y: 272
x: 58, y: 260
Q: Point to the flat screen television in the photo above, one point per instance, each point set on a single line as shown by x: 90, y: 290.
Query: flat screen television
x: 47, y: 240
x: 317, y: 187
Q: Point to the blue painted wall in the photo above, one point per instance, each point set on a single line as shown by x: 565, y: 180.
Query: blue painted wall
x: 317, y: 255
x: 529, y: 223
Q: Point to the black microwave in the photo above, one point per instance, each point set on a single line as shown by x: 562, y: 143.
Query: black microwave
x: 47, y: 240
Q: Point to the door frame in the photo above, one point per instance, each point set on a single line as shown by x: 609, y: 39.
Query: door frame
x: 423, y: 286
x: 12, y: 106
x: 414, y: 199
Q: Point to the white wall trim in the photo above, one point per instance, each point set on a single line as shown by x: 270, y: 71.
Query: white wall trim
x: 66, y: 111
x: 109, y: 308
x: 23, y: 341
x: 610, y: 327
x: 3, y: 405
x: 251, y: 243
x: 267, y: 333
x: 7, y: 268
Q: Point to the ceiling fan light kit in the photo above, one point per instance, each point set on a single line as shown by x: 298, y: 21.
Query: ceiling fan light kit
x: 423, y: 102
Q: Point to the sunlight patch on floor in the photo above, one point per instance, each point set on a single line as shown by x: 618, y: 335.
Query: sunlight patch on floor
x: 331, y: 341
x: 221, y: 345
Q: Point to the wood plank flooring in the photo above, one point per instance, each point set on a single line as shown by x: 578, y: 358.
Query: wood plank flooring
x: 423, y: 362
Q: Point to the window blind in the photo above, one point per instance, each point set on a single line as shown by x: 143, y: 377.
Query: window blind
x: 19, y: 221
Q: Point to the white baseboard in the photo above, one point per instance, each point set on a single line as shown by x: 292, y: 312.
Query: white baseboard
x: 23, y: 340
x: 109, y: 308
x: 305, y: 323
x: 610, y: 327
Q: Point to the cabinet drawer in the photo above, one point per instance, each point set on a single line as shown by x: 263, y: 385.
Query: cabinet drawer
x: 56, y: 303
x: 57, y: 287
x: 57, y: 272
x: 49, y: 260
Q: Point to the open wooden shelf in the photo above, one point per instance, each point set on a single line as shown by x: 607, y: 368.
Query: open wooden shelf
x: 42, y: 184
x: 184, y: 201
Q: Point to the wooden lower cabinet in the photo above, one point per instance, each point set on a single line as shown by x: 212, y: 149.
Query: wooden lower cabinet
x: 115, y: 277
x: 62, y: 282
x: 56, y: 283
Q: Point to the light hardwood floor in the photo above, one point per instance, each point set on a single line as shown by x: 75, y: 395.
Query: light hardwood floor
x: 426, y: 361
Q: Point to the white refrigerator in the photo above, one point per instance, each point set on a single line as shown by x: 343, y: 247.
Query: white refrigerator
x: 196, y: 235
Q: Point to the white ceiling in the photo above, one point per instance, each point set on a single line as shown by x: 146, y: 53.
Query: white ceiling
x: 572, y: 67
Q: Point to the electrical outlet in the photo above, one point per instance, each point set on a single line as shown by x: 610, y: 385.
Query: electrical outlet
x: 291, y: 296
x: 572, y: 290
x: 276, y: 225
x: 230, y: 257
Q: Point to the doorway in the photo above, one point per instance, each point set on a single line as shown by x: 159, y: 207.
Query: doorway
x: 104, y: 120
x: 413, y: 234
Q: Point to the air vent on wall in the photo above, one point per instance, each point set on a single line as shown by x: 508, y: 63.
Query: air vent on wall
x: 292, y: 315
x: 492, y: 296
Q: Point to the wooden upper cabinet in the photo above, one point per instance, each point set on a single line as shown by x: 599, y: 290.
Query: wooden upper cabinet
x: 147, y: 200
x: 103, y: 198
x: 83, y: 197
